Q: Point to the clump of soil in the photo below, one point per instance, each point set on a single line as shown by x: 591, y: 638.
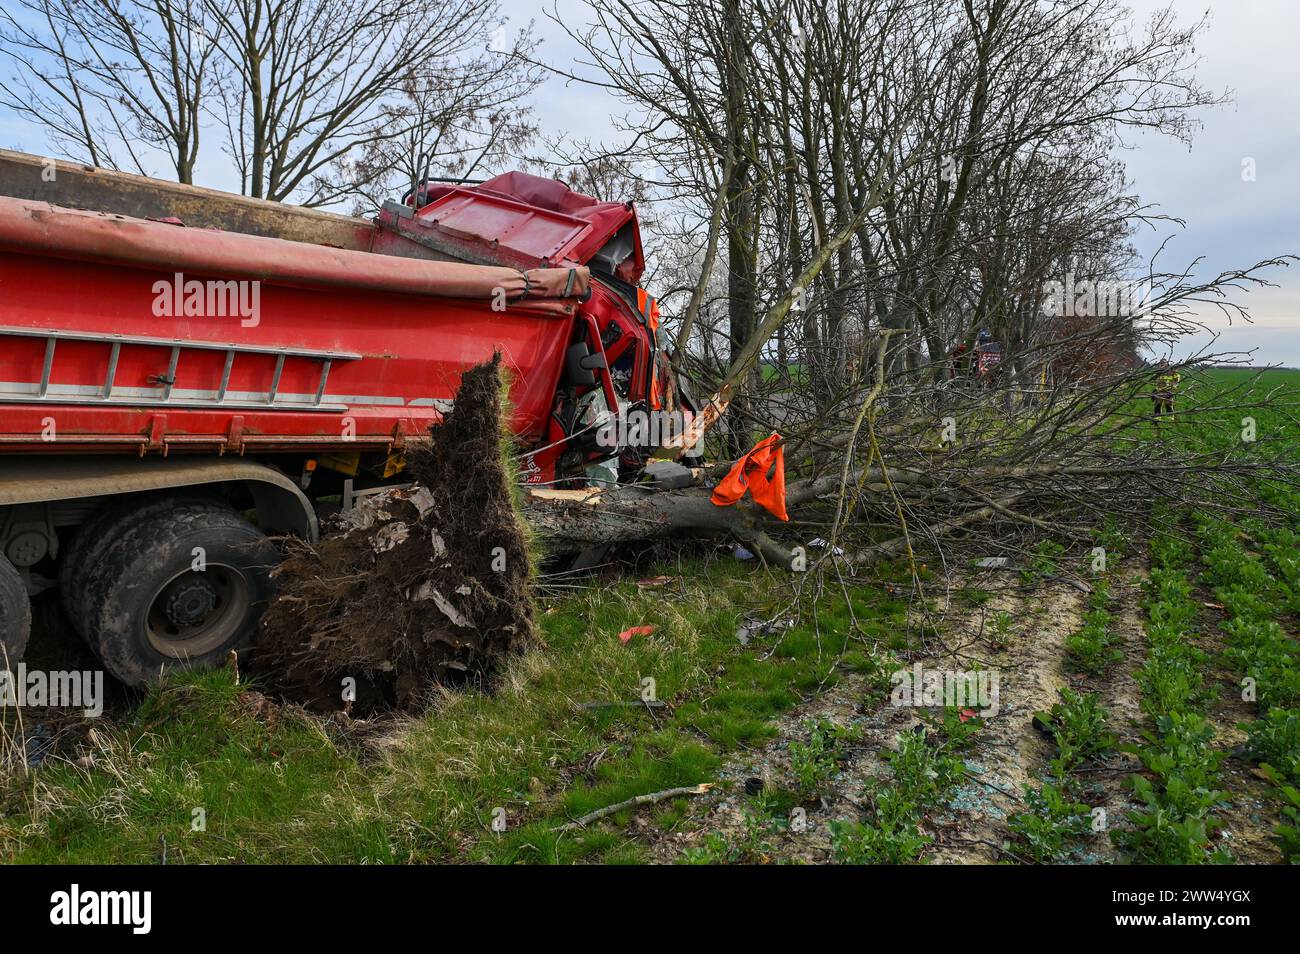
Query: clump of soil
x: 417, y: 586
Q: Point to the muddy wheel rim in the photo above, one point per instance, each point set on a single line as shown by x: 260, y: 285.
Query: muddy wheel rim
x: 194, y: 613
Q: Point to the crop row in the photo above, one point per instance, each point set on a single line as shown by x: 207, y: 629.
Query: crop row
x: 1059, y: 818
x: 1257, y: 647
x: 1175, y: 823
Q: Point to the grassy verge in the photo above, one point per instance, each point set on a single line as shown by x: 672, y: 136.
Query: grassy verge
x: 206, y: 773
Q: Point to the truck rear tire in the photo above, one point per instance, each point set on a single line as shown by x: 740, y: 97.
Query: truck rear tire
x: 92, y: 540
x: 180, y: 588
x: 15, y: 614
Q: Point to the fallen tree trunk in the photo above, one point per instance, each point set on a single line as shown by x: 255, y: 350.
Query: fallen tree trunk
x: 577, y: 520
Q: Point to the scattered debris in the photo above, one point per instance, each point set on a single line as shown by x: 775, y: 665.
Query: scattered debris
x: 1075, y: 582
x: 669, y: 475
x: 627, y: 634
x: 38, y: 745
x: 820, y: 544
x: 654, y: 581
x: 750, y: 627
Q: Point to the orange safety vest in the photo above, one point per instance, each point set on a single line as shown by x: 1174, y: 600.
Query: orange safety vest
x: 649, y: 314
x: 751, y: 473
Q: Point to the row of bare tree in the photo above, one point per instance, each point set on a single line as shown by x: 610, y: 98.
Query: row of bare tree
x: 314, y: 101
x: 846, y: 199
x: 852, y: 198
x: 948, y: 159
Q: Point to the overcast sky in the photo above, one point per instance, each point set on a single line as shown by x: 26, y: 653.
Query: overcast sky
x: 1250, y: 48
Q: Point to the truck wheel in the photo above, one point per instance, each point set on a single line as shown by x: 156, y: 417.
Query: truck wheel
x: 155, y: 602
x: 15, y: 614
x: 90, y: 542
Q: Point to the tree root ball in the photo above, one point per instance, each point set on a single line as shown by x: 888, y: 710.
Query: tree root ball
x: 417, y: 586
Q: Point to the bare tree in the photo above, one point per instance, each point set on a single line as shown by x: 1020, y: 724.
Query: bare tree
x: 110, y: 79
x: 317, y: 100
x: 457, y: 119
x: 308, y: 82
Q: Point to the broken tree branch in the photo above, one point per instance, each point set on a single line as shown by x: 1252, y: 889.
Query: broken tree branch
x: 637, y: 800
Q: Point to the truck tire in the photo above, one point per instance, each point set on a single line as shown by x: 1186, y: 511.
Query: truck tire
x: 15, y: 614
x: 91, y: 541
x: 148, y: 609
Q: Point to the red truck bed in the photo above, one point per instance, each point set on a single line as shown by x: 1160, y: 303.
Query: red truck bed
x: 354, y: 343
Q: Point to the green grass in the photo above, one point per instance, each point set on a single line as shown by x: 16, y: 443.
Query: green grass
x: 192, y: 745
x: 284, y: 788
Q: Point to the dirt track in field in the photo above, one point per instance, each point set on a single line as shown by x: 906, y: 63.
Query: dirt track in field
x: 1008, y: 754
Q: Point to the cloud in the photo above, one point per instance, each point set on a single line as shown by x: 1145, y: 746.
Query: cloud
x: 1249, y: 47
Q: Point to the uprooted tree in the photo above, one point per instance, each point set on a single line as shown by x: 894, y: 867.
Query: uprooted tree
x: 854, y: 202
x: 855, y: 198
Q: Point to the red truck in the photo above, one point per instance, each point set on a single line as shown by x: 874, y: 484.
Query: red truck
x: 175, y: 361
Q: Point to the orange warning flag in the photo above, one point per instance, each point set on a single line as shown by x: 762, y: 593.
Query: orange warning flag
x: 762, y: 473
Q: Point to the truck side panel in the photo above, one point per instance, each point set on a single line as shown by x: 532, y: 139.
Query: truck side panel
x: 401, y: 356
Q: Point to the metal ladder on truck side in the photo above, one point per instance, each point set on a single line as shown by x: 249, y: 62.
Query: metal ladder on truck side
x: 165, y: 394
